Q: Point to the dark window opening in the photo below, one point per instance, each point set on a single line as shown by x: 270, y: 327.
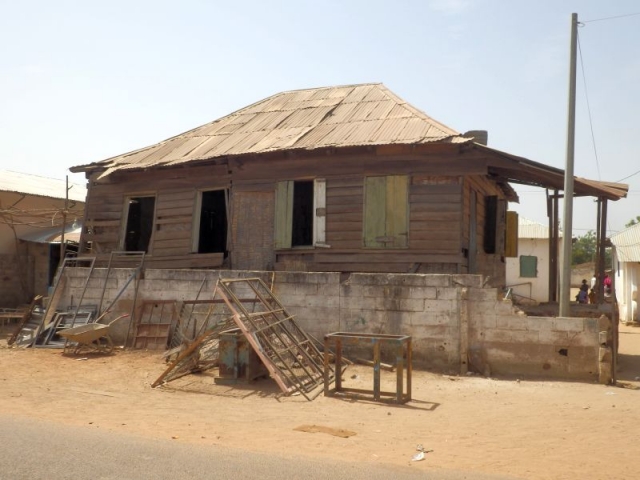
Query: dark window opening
x: 139, y: 224
x: 490, y: 223
x: 213, y: 223
x: 302, y: 227
x: 70, y: 249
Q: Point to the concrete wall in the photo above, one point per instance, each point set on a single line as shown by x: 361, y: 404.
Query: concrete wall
x: 627, y: 280
x: 455, y: 323
x: 538, y: 287
x: 16, y: 280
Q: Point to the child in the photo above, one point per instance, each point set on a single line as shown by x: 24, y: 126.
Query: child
x: 582, y: 296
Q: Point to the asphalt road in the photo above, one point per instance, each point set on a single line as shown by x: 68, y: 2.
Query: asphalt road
x: 40, y: 450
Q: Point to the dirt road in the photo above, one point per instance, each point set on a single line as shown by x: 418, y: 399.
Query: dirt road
x: 526, y: 429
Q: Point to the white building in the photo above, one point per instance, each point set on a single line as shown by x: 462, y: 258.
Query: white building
x: 528, y: 273
x: 626, y: 257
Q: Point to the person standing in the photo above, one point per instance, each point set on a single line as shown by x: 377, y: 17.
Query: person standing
x: 607, y: 284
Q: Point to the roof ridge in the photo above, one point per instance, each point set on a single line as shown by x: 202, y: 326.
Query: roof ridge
x: 403, y: 103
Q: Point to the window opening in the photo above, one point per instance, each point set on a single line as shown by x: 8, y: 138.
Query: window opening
x: 213, y: 223
x: 490, y: 223
x: 139, y: 224
x: 302, y: 221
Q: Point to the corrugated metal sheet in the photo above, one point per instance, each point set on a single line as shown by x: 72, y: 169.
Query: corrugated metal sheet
x: 53, y: 234
x: 354, y: 115
x: 627, y: 244
x: 530, y: 229
x: 40, y: 186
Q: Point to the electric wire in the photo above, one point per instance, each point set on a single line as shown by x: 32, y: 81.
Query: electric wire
x: 611, y: 18
x: 628, y: 176
x: 586, y: 95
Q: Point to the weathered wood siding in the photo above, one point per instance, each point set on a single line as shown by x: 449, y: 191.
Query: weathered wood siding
x: 492, y: 265
x: 175, y: 191
x: 252, y: 227
x: 430, y: 238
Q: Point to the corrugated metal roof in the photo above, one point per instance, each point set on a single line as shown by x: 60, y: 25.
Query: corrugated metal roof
x: 354, y: 115
x: 627, y: 244
x: 53, y: 235
x: 40, y: 186
x: 530, y: 229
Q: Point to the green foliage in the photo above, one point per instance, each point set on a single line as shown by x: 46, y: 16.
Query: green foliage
x: 584, y: 250
x: 633, y: 222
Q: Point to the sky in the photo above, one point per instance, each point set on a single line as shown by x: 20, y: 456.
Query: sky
x: 83, y: 81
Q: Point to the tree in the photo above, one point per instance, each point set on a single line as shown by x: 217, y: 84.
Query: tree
x: 584, y: 250
x: 633, y: 222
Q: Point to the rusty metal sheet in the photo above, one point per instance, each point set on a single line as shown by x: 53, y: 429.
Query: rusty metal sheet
x: 343, y: 116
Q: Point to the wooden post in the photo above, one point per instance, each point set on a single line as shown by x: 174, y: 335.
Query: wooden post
x: 376, y: 369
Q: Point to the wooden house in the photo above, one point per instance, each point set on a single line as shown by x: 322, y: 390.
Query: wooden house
x: 346, y: 179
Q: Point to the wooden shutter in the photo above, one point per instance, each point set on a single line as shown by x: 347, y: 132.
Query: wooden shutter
x: 375, y: 210
x: 528, y: 266
x: 284, y: 214
x: 511, y: 235
x: 386, y: 211
x: 319, y: 211
x: 397, y: 211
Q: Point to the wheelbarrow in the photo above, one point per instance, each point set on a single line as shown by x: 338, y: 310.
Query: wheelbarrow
x: 91, y: 336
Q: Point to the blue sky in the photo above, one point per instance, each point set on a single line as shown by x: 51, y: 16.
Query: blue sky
x: 81, y: 81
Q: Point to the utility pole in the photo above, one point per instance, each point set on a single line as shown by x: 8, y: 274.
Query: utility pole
x: 64, y: 219
x: 567, y: 225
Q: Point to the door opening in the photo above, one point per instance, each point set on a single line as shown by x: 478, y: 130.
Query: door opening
x: 212, y: 237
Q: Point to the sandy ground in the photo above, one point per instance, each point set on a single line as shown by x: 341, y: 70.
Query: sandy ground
x: 527, y: 429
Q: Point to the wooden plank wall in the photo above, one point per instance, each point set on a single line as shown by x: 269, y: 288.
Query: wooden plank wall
x: 491, y: 265
x: 176, y: 193
x: 437, y: 196
x: 252, y: 229
x: 436, y: 214
x: 345, y: 206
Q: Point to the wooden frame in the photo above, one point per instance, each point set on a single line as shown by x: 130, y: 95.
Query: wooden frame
x: 402, y: 346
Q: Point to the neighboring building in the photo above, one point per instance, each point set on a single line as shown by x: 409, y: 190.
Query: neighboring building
x: 528, y: 273
x: 32, y: 211
x: 348, y: 179
x: 626, y: 258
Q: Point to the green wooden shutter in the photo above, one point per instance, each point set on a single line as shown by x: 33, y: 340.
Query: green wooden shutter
x: 397, y: 211
x: 375, y: 210
x: 284, y: 214
x: 386, y: 211
x: 528, y: 266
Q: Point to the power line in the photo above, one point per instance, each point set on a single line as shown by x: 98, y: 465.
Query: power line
x: 611, y: 18
x: 628, y: 176
x: 586, y: 95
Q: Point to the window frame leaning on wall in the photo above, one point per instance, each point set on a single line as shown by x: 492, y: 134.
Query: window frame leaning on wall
x: 386, y: 212
x: 284, y: 207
